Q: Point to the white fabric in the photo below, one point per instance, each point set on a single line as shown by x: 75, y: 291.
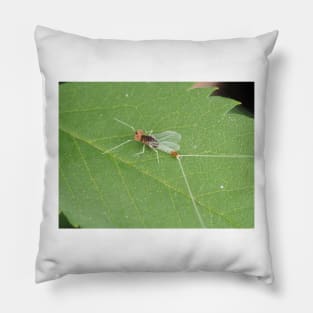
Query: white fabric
x: 66, y: 57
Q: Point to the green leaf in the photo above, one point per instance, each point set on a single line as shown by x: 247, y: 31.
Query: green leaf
x: 63, y: 221
x: 120, y: 190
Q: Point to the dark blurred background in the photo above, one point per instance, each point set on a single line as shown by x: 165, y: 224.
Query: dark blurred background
x: 241, y: 91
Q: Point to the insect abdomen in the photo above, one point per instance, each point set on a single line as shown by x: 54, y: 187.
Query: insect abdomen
x: 174, y: 154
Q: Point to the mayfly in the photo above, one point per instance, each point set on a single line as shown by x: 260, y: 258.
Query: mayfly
x: 167, y: 141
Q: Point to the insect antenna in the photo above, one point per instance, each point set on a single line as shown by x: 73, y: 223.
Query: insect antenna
x: 116, y: 147
x: 125, y: 124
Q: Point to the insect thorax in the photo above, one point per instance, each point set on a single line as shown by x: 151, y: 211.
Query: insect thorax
x: 149, y: 140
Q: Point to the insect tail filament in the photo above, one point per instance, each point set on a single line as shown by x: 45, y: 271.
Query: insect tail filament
x: 239, y: 156
x: 190, y: 192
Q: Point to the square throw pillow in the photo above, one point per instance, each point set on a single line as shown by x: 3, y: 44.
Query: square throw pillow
x: 155, y: 155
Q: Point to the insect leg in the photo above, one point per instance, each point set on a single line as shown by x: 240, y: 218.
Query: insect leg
x: 116, y: 147
x: 157, y: 153
x: 143, y: 150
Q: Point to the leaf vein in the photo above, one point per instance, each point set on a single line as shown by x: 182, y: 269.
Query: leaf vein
x: 93, y: 180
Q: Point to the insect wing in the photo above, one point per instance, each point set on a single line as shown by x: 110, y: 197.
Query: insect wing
x: 168, y: 147
x: 168, y: 141
x: 168, y: 136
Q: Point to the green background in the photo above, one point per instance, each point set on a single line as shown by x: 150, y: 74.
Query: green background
x: 121, y: 190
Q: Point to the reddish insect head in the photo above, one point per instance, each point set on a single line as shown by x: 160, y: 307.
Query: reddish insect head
x: 138, y: 134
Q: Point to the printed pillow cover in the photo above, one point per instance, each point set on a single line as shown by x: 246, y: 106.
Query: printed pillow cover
x: 155, y: 155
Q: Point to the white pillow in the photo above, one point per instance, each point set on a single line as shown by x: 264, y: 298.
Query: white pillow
x: 202, y: 241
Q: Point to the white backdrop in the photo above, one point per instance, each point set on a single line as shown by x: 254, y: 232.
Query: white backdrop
x: 289, y: 152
